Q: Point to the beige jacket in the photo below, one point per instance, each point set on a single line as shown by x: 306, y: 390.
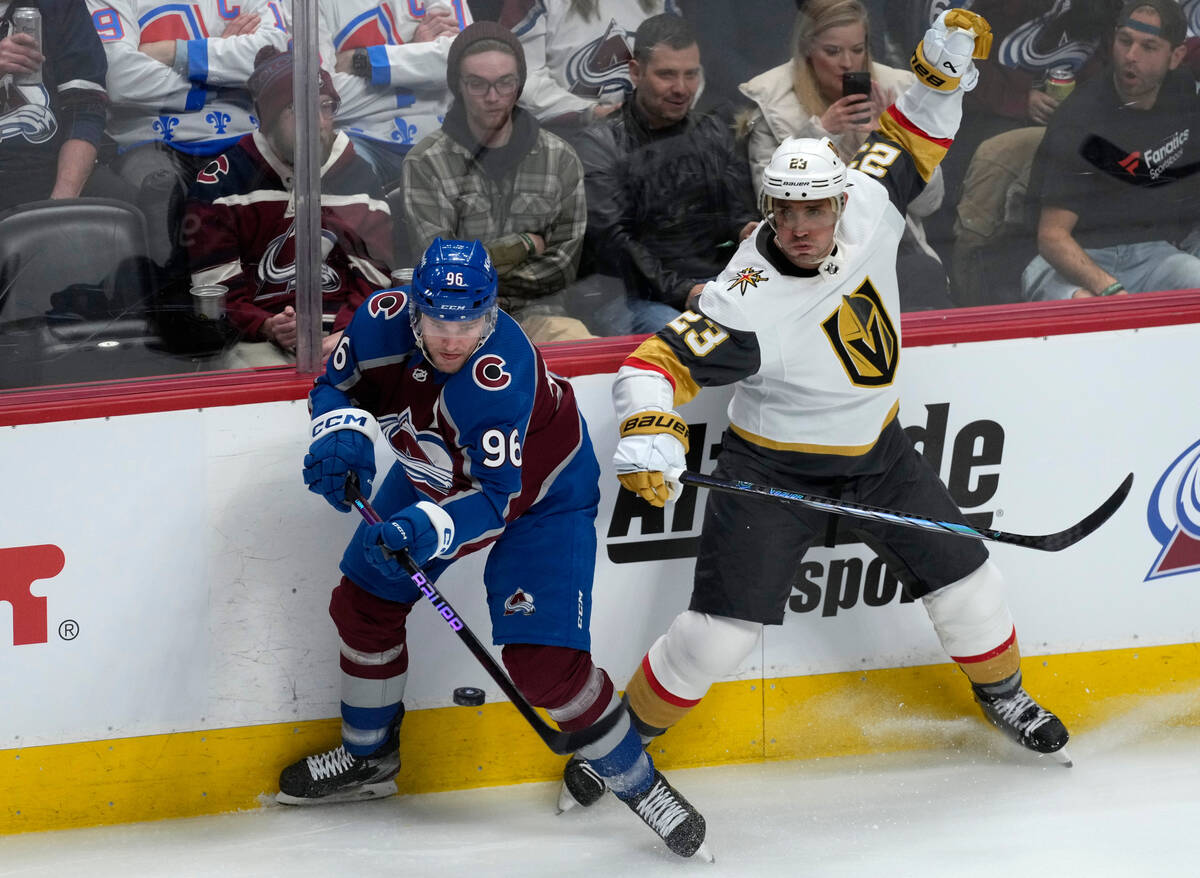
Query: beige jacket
x: 779, y: 115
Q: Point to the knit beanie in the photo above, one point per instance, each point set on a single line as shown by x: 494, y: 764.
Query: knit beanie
x: 482, y: 30
x: 271, y: 84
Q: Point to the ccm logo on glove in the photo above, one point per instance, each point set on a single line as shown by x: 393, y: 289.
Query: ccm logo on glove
x: 345, y: 419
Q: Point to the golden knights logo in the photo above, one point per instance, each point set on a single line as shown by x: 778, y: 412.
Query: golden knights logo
x: 864, y: 338
x: 747, y: 277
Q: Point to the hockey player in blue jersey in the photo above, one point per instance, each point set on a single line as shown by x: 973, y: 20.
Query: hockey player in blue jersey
x: 492, y: 451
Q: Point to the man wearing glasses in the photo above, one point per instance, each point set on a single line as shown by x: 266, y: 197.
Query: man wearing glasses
x: 240, y: 223
x: 493, y: 174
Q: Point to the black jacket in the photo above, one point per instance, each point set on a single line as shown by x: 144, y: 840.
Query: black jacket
x: 664, y: 205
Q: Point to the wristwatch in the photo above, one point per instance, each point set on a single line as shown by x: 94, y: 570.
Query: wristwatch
x: 360, y: 64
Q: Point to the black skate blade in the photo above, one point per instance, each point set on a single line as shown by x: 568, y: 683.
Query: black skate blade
x: 363, y: 793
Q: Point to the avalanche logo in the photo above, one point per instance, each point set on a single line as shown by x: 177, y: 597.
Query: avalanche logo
x: 1046, y: 41
x: 422, y: 453
x: 601, y: 65
x: 1174, y: 517
x: 277, y: 268
x: 489, y: 373
x: 387, y: 304
x: 25, y: 112
x: 519, y: 601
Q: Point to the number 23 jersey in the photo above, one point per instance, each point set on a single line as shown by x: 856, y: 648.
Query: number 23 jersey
x: 813, y: 354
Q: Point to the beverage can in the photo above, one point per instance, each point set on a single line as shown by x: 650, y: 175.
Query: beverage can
x: 28, y: 20
x: 1060, y: 82
x: 208, y: 300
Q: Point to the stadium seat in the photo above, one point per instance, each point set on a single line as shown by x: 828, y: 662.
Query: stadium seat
x: 75, y: 288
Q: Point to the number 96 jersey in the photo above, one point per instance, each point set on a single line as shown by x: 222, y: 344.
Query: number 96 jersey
x: 485, y: 443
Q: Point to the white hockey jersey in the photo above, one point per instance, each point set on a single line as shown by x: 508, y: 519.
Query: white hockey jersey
x: 813, y: 354
x: 572, y: 61
x: 204, y: 107
x: 406, y: 96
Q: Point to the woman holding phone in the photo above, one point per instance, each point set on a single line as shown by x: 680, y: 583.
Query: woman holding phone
x: 831, y: 88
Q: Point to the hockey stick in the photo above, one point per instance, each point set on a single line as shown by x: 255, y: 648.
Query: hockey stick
x: 559, y: 741
x: 1047, y: 542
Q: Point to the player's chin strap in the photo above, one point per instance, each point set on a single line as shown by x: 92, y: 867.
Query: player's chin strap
x: 559, y: 741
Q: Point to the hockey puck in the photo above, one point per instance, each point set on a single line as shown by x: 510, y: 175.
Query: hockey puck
x: 468, y: 696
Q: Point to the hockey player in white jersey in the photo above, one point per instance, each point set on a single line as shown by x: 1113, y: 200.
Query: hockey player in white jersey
x: 804, y: 322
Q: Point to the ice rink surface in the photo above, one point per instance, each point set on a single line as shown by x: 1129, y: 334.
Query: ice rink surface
x: 1129, y: 807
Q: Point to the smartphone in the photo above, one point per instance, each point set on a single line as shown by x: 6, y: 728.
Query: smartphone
x: 857, y: 83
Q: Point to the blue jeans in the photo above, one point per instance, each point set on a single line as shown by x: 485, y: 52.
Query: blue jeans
x: 601, y: 302
x: 1143, y: 268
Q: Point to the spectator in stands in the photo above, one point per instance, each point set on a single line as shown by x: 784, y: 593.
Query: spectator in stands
x: 577, y: 53
x: 177, y: 83
x: 1115, y: 171
x: 49, y: 130
x: 1030, y: 38
x: 493, y: 174
x: 804, y: 98
x: 240, y: 227
x: 389, y: 62
x: 668, y: 194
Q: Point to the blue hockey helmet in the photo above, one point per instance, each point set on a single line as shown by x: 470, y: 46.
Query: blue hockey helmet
x: 455, y: 280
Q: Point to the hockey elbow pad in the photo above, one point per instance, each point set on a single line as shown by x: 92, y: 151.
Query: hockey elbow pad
x: 651, y: 454
x: 343, y: 443
x: 942, y: 60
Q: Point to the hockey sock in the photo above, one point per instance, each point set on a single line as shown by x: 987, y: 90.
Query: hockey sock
x: 366, y: 729
x: 626, y: 767
x: 656, y: 708
x: 645, y: 731
x: 996, y: 666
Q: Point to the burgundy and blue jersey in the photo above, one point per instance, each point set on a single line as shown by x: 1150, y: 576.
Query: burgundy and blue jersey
x: 485, y: 443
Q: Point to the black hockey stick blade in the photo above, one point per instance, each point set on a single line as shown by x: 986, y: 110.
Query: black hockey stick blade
x: 559, y: 741
x: 1047, y: 542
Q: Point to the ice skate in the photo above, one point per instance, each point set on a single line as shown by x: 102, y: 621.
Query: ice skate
x: 669, y: 814
x: 338, y: 776
x: 1025, y: 721
x: 581, y: 785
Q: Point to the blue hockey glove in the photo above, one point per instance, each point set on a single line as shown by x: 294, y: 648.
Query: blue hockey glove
x: 343, y: 443
x: 424, y: 529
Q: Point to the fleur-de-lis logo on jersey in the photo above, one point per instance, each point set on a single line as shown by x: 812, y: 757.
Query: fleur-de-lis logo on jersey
x: 747, y: 277
x: 164, y: 125
x: 218, y: 120
x: 864, y: 338
x: 404, y: 132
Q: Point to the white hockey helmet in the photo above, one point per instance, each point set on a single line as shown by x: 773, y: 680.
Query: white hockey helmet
x: 803, y: 169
